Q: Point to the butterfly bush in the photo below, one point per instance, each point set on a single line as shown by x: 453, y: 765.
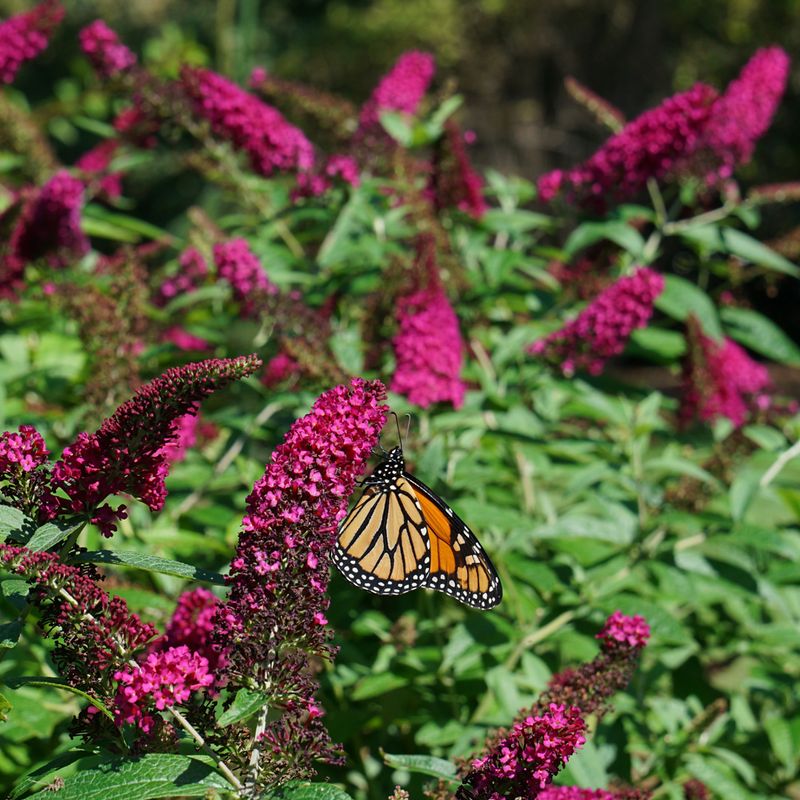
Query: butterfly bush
x: 126, y: 454
x: 192, y: 625
x: 743, y: 114
x: 274, y: 618
x: 577, y: 793
x: 107, y: 54
x: 401, y: 89
x: 515, y: 762
x: 271, y: 143
x: 720, y: 380
x: 24, y: 36
x: 526, y: 760
x: 95, y: 163
x: 603, y: 328
x: 94, y: 633
x: 651, y: 146
x: 165, y: 678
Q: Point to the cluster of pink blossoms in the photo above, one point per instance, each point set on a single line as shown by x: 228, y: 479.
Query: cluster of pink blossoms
x: 165, y: 678
x: 126, y: 454
x: 279, y: 576
x: 720, y: 380
x: 50, y: 224
x: 23, y: 451
x: 278, y: 369
x: 241, y: 268
x: 271, y: 143
x: 526, y: 760
x: 103, y: 48
x: 577, y: 793
x: 743, y: 114
x: 336, y: 168
x: 401, y: 89
x: 185, y: 433
x: 603, y: 328
x: 429, y: 350
x: 193, y: 271
x: 24, y: 36
x: 628, y: 632
x: 192, y: 624
x: 696, y: 131
x: 651, y: 146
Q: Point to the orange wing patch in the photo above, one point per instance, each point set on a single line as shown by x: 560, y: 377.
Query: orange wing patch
x: 442, y: 556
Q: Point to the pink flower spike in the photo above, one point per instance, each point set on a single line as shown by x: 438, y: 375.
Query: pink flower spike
x: 103, y: 48
x: 259, y: 130
x: 603, y: 328
x: 401, y: 89
x: 429, y: 350
x: 623, y: 631
x: 24, y: 36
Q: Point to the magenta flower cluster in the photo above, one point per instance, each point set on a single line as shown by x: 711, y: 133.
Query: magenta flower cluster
x: 525, y: 760
x: 165, y: 678
x: 279, y: 576
x: 24, y: 36
x: 429, y: 350
x: 50, y: 224
x: 721, y: 380
x: 651, y: 146
x: 92, y: 630
x: 126, y: 454
x: 103, y: 48
x: 95, y: 163
x: 401, y: 89
x: 271, y: 143
x: 743, y: 114
x: 697, y: 132
x: 191, y: 274
x: 603, y: 328
x: 22, y: 451
x: 192, y: 624
x: 241, y: 268
x: 625, y: 631
x: 574, y: 793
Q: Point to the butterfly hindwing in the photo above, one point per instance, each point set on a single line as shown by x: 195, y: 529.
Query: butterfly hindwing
x: 460, y: 566
x: 383, y: 544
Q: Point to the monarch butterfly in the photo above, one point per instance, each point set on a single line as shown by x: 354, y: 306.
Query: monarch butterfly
x: 401, y: 536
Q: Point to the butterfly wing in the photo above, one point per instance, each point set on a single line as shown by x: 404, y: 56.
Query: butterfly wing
x: 383, y: 544
x: 459, y: 565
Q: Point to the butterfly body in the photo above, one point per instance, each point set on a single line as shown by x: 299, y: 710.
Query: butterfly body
x: 401, y: 536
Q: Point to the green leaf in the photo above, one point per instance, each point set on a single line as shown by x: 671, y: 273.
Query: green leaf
x: 14, y: 524
x: 681, y: 298
x: 150, y: 563
x: 587, y: 768
x: 780, y: 739
x: 712, y: 773
x: 627, y: 237
x: 747, y: 248
x: 51, y: 533
x: 760, y: 334
x: 5, y: 707
x: 397, y: 126
x: 376, y: 685
x: 435, y: 122
x: 40, y: 776
x: 55, y: 683
x: 302, y: 790
x: 151, y: 776
x: 14, y: 587
x: 742, y: 492
x: 9, y: 634
x: 245, y: 704
x: 423, y: 765
x: 659, y: 343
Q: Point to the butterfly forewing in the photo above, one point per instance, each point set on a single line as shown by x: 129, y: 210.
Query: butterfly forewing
x: 383, y: 544
x: 460, y: 566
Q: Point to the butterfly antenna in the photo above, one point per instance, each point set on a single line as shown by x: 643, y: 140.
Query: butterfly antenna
x: 408, y: 424
x: 397, y: 425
